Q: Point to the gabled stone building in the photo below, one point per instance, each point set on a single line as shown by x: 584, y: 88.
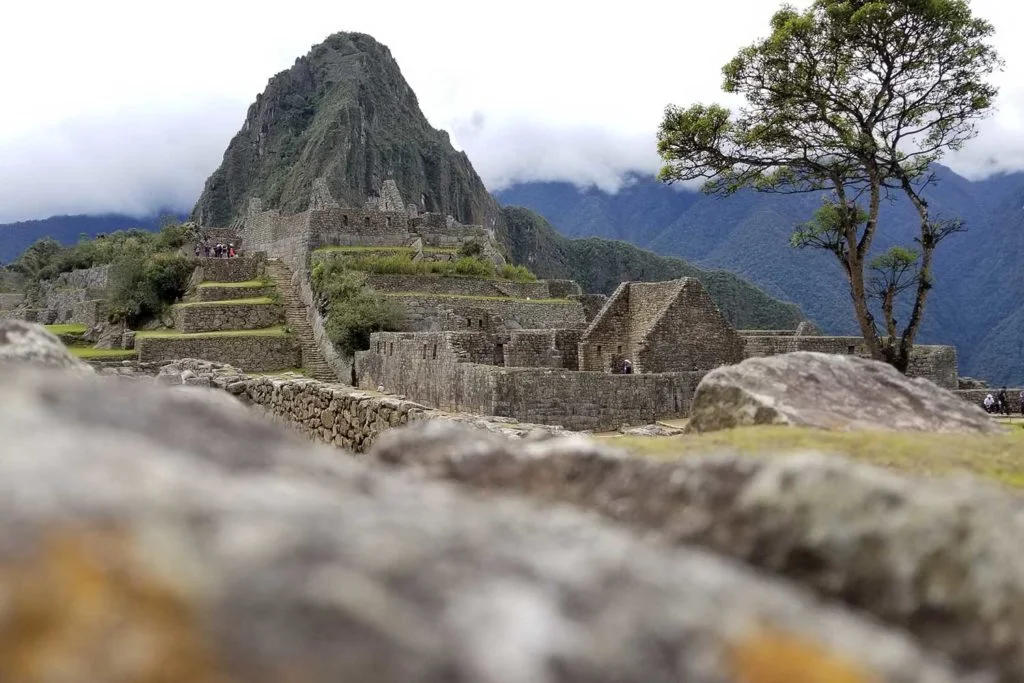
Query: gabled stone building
x: 671, y: 326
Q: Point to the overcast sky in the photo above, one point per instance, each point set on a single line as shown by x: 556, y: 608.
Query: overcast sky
x: 117, y: 105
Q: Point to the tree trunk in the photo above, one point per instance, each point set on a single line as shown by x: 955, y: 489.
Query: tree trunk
x: 865, y: 319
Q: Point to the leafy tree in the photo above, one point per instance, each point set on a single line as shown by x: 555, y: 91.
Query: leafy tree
x: 353, y: 309
x: 855, y: 97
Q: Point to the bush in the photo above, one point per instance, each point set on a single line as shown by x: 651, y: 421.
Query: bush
x: 468, y: 266
x: 471, y: 249
x: 517, y: 273
x: 353, y: 309
x: 142, y: 286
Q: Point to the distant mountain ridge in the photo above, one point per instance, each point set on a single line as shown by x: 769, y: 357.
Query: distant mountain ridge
x: 17, y: 237
x: 977, y: 303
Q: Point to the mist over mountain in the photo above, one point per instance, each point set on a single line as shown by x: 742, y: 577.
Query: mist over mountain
x: 977, y: 302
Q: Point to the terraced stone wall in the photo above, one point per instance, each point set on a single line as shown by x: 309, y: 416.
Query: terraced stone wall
x: 238, y: 269
x: 257, y: 353
x: 8, y: 302
x: 463, y: 286
x: 438, y: 312
x: 228, y: 293
x: 215, y: 317
x: 977, y: 396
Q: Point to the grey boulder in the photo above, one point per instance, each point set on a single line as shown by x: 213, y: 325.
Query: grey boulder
x: 828, y: 391
x: 151, y: 536
x: 25, y: 343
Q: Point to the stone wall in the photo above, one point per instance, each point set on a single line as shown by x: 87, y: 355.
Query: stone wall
x: 592, y: 304
x: 8, y: 302
x: 89, y: 313
x: 464, y: 286
x: 256, y: 353
x: 439, y: 312
x: 977, y: 396
x: 238, y: 269
x: 688, y: 334
x: 228, y: 293
x: 453, y: 371
x: 934, y: 362
x: 217, y: 316
x: 533, y: 349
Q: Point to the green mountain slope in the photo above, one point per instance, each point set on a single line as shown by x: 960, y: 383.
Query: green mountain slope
x: 599, y: 265
x: 344, y: 112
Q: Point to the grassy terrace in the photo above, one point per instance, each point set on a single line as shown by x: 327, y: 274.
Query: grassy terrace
x: 249, y: 284
x: 73, y: 328
x: 387, y: 250
x: 996, y: 456
x: 261, y: 301
x: 89, y: 353
x: 278, y: 331
x: 433, y: 295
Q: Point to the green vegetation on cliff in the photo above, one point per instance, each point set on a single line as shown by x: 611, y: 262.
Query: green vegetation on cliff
x: 352, y: 309
x: 599, y: 265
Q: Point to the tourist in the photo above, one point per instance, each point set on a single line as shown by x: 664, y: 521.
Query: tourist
x: 231, y: 251
x: 989, y: 403
x: 206, y: 249
x: 1004, y: 402
x: 627, y: 367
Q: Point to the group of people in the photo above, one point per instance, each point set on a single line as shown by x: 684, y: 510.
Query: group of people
x: 999, y: 403
x: 219, y: 250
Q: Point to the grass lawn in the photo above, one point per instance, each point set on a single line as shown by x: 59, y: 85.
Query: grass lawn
x: 996, y: 456
x: 254, y: 284
x: 89, y: 353
x: 259, y: 301
x: 67, y: 329
x: 433, y: 295
x: 167, y: 334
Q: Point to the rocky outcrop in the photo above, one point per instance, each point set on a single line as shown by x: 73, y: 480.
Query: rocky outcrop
x: 24, y: 343
x: 828, y: 391
x: 211, y: 546
x: 939, y: 559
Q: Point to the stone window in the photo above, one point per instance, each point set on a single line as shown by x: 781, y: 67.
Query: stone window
x: 378, y: 348
x: 387, y: 221
x: 424, y: 352
x: 469, y: 322
x: 366, y: 221
x: 620, y: 350
x: 344, y: 220
x: 598, y: 349
x: 851, y: 349
x: 480, y: 323
x: 391, y: 348
x: 435, y: 351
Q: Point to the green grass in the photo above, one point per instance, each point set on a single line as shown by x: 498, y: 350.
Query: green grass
x: 260, y: 301
x: 88, y: 353
x: 72, y: 328
x: 253, y: 284
x: 433, y: 295
x: 994, y: 456
x: 172, y: 334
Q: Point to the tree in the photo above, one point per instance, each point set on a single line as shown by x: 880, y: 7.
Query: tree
x: 857, y: 99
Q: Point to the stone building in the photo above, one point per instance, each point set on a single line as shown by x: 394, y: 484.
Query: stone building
x: 670, y: 326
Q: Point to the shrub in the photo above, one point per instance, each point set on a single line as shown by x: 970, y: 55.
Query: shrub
x: 468, y: 266
x: 353, y: 309
x: 517, y: 273
x: 471, y: 249
x: 143, y: 286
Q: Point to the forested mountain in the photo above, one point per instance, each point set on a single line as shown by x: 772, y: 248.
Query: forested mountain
x: 17, y: 237
x: 977, y: 303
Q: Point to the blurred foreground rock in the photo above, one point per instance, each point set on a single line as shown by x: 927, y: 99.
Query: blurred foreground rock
x: 941, y: 559
x: 25, y: 343
x: 828, y: 391
x: 156, y: 534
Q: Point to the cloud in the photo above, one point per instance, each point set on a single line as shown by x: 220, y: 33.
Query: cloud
x: 133, y: 162
x: 517, y: 151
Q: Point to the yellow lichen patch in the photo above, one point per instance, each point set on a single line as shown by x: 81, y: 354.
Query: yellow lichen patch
x: 771, y: 656
x: 84, y: 608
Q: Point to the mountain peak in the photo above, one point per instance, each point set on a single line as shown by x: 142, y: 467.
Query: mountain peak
x: 345, y: 113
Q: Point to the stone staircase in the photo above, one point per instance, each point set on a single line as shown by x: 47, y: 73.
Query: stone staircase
x: 296, y: 315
